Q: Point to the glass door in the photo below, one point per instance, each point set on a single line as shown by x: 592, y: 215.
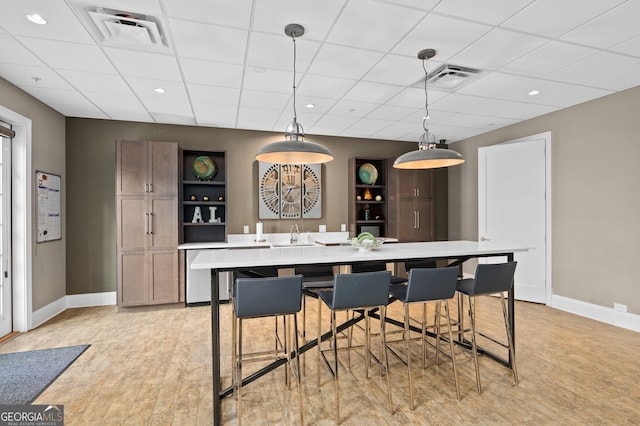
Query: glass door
x: 6, y: 317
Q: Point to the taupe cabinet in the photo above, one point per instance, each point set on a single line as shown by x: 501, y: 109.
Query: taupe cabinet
x: 411, y: 215
x: 147, y: 222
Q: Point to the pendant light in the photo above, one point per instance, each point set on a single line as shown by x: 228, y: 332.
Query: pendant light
x: 427, y: 156
x: 294, y: 150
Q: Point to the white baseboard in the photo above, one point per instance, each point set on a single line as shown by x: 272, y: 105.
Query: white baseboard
x: 597, y: 312
x: 54, y: 308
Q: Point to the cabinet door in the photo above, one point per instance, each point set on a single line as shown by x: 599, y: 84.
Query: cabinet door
x: 422, y: 183
x: 424, y: 219
x: 163, y: 279
x: 131, y: 168
x: 132, y: 278
x: 163, y: 222
x: 406, y: 187
x: 132, y: 223
x: 407, y: 221
x: 163, y: 168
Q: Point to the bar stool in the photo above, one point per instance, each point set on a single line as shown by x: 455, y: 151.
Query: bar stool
x: 428, y: 285
x: 361, y: 291
x: 316, y: 278
x: 489, y: 279
x: 259, y: 298
x: 376, y: 267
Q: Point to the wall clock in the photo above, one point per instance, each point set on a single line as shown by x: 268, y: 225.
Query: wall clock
x: 289, y: 191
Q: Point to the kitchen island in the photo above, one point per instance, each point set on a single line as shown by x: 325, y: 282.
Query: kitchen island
x: 454, y: 252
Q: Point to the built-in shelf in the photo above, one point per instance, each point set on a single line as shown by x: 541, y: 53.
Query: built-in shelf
x: 215, y: 189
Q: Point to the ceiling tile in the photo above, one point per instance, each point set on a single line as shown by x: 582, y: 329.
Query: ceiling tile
x: 126, y: 114
x: 609, y: 29
x: 333, y: 122
x: 213, y: 94
x: 373, y: 29
x: 509, y: 109
x: 344, y: 62
x: 400, y: 70
x: 212, y: 42
x: 372, y: 92
x: 489, y: 11
x: 548, y: 58
x: 30, y: 76
x: 547, y: 90
x: 264, y: 99
x: 170, y: 118
x: 12, y: 52
x: 167, y: 106
x: 212, y: 73
x: 622, y: 79
x: 496, y: 49
x: 77, y: 110
x: 592, y: 68
x: 317, y: 17
x: 573, y: 95
x: 57, y: 96
x: 110, y: 103
x: 63, y: 55
x: 271, y: 80
x: 96, y: 82
x: 552, y: 18
x: 389, y: 112
x: 630, y: 47
x: 320, y: 85
x: 276, y: 51
x: 446, y: 35
x: 62, y: 24
x: 415, y: 97
x: 145, y: 87
x: 352, y: 109
x: 214, y: 115
x: 417, y: 4
x: 236, y: 13
x: 147, y: 65
x: 455, y: 102
x: 493, y: 84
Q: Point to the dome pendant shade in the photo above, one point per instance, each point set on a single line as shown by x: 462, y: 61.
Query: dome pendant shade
x: 293, y: 150
x: 428, y: 158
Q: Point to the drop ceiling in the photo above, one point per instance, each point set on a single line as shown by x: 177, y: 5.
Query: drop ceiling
x: 229, y: 64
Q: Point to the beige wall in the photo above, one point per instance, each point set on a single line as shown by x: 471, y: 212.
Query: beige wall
x: 595, y: 196
x: 91, y: 262
x: 48, y: 155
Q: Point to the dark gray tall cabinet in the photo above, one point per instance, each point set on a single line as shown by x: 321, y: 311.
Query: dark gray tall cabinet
x: 417, y: 206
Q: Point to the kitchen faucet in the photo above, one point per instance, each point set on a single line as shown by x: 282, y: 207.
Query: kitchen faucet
x: 295, y: 232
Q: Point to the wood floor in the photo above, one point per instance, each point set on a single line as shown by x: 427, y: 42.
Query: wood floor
x: 154, y: 368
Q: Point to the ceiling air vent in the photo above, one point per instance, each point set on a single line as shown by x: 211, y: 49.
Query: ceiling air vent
x: 449, y: 77
x: 127, y: 29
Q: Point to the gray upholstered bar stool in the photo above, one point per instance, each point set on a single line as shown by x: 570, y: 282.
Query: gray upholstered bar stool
x: 316, y: 278
x: 489, y: 279
x: 361, y: 291
x: 427, y: 285
x: 259, y: 298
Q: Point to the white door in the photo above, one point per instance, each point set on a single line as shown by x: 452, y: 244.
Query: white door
x: 6, y: 317
x: 512, y: 207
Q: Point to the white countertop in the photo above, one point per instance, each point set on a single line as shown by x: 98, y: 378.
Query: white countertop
x: 301, y: 255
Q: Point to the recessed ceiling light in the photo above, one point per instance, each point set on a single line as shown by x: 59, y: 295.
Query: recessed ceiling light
x: 36, y: 19
x: 159, y: 90
x: 310, y: 105
x: 534, y: 92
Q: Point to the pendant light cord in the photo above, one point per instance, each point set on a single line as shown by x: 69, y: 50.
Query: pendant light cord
x: 426, y: 97
x: 295, y: 113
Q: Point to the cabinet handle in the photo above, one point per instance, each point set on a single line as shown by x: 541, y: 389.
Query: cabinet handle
x: 150, y: 187
x: 150, y: 223
x: 145, y: 187
x: 418, y: 216
x: 415, y: 220
x: 417, y: 192
x: 146, y: 223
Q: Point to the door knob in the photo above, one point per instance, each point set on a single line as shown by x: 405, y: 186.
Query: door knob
x: 485, y: 239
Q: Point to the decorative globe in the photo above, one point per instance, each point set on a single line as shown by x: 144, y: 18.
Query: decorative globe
x: 204, y: 168
x: 368, y: 173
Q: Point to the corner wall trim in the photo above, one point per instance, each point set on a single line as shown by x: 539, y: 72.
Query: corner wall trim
x: 597, y: 312
x: 56, y: 307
